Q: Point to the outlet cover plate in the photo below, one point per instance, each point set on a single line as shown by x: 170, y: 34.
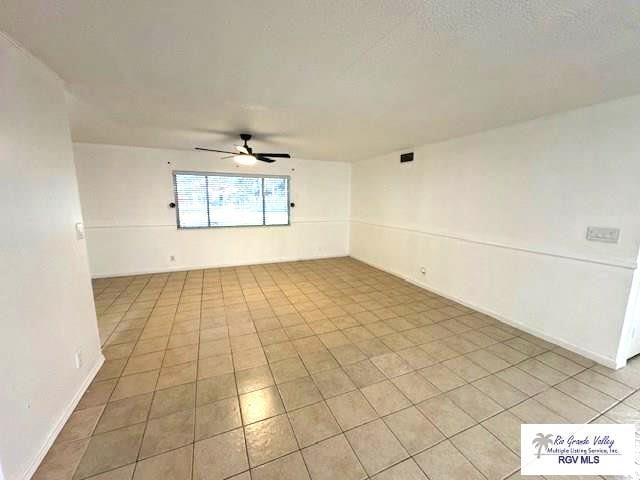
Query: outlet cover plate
x: 603, y: 234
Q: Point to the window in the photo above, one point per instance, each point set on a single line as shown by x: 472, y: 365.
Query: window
x: 226, y: 200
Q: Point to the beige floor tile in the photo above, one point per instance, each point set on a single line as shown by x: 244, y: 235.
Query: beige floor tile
x: 299, y: 393
x: 217, y: 417
x: 173, y: 399
x: 532, y: 411
x: 80, y: 424
x: 623, y: 413
x: 522, y: 381
x: 487, y: 360
x: 327, y: 328
x: 260, y: 404
x: 122, y: 473
x: 111, y: 369
x: 97, y: 394
x: 269, y: 439
x: 174, y: 465
x: 287, y: 370
x: 446, y: 415
x: 133, y: 385
x: 407, y: 470
x: 214, y: 348
x: 585, y: 394
x: 385, y: 397
x: 110, y: 450
x: 332, y: 459
x: 415, y: 387
x: 270, y: 337
x: 61, y: 460
x: 442, y: 378
x: 215, y: 388
x: 630, y: 375
x: 254, y: 379
x: 466, y: 369
x: 313, y: 423
x: 364, y: 373
x: 564, y: 405
x: 560, y: 363
x: 494, y: 460
x: 220, y: 457
x: 125, y: 412
x: 177, y: 375
x: 445, y: 462
x: 290, y: 467
x: 351, y: 409
x: 176, y: 356
x: 543, y: 372
x: 414, y: 431
x: 372, y: 348
x: 215, y: 366
x: 144, y: 363
x: 251, y: 358
x: 318, y: 361
x: 633, y: 400
x: 167, y: 433
x: 348, y: 354
x: 391, y: 364
x: 151, y: 345
x: 416, y: 357
x: 506, y: 353
x: 524, y: 346
x: 280, y: 351
x: 604, y: 384
x: 474, y: 402
x: 122, y: 350
x: 500, y: 391
x: 439, y: 350
x: 506, y: 427
x: 333, y: 382
x: 376, y: 446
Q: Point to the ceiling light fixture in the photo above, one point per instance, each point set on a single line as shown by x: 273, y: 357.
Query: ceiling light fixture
x: 246, y: 160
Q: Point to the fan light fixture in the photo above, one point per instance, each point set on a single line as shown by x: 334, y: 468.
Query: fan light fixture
x: 246, y: 160
x: 244, y: 154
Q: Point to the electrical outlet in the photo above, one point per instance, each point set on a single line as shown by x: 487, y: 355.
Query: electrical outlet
x: 78, y: 359
x: 80, y: 231
x: 423, y: 270
x: 603, y: 234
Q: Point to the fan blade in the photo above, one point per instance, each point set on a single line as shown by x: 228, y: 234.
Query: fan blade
x: 242, y: 149
x: 212, y: 150
x: 275, y: 155
x: 262, y: 158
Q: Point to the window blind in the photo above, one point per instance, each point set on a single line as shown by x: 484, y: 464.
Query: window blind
x: 225, y: 200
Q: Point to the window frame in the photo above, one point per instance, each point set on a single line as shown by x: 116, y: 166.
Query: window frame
x: 175, y: 173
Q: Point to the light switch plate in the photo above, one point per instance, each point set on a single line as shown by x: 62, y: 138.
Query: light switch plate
x: 603, y: 234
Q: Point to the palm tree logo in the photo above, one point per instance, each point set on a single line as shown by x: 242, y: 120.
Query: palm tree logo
x: 542, y: 441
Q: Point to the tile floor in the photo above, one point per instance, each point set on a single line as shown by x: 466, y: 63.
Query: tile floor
x: 325, y: 369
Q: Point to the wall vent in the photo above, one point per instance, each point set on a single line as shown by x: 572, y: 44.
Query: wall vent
x: 406, y: 157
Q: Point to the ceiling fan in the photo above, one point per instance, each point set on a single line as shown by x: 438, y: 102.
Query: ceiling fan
x: 245, y: 154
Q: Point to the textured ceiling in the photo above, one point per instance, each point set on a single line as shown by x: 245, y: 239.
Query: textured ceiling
x: 325, y: 79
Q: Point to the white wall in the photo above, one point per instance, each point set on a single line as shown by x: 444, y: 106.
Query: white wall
x: 125, y: 193
x: 499, y: 220
x: 46, y: 305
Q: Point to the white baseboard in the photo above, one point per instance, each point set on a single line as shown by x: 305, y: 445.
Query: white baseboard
x: 219, y: 265
x: 55, y: 431
x: 596, y: 357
